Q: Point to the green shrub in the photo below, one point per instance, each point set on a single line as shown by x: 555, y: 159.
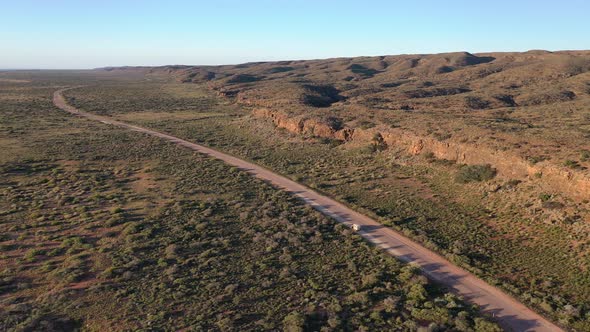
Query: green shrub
x: 378, y: 143
x: 571, y: 164
x: 294, y: 322
x: 481, y: 325
x: 429, y: 156
x: 475, y: 173
x: 32, y: 254
x: 417, y: 293
x: 545, y: 197
x: 536, y: 159
x: 114, y: 220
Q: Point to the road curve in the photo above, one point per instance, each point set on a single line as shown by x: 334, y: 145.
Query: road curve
x: 508, y: 312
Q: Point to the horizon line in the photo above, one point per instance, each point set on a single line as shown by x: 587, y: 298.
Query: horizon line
x: 270, y: 61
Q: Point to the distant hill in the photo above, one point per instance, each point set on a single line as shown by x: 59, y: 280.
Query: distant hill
x: 523, y: 112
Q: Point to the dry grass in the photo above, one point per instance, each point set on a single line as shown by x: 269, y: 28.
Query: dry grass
x: 106, y: 229
x: 503, y: 230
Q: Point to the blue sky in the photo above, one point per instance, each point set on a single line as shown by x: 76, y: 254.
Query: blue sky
x: 95, y: 33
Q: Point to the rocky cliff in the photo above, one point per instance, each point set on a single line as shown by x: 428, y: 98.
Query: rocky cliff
x: 552, y: 177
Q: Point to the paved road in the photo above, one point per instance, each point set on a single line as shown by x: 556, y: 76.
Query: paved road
x: 508, y: 312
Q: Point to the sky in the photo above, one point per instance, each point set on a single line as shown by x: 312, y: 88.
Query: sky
x: 79, y: 34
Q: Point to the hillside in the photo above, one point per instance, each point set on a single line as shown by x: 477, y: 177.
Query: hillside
x: 526, y: 114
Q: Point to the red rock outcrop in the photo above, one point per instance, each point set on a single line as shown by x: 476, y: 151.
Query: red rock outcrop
x: 302, y: 125
x: 574, y: 184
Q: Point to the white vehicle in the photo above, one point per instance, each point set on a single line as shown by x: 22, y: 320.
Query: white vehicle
x: 356, y: 227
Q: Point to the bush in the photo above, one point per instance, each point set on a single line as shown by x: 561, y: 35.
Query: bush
x: 294, y: 322
x: 378, y: 143
x: 475, y: 173
x: 577, y: 65
x: 571, y: 164
x: 32, y: 254
x: 481, y: 325
x: 417, y: 293
x: 545, y: 197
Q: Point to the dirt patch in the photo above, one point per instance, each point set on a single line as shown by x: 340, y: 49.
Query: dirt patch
x: 83, y: 284
x: 144, y: 181
x: 70, y: 165
x: 10, y: 148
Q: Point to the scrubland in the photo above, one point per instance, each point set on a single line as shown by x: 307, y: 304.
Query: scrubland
x: 531, y: 242
x: 105, y: 229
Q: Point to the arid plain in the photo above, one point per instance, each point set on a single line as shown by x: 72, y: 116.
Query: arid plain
x: 480, y: 158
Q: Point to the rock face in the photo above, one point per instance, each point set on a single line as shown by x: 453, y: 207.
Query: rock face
x: 570, y: 182
x: 301, y: 125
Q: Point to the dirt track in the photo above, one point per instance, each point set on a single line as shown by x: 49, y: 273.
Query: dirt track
x: 508, y: 312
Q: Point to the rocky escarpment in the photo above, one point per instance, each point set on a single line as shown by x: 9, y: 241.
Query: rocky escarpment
x: 329, y: 128
x: 509, y: 105
x: 553, y: 178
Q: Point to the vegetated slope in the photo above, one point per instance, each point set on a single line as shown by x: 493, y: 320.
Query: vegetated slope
x: 523, y: 113
x: 103, y: 229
